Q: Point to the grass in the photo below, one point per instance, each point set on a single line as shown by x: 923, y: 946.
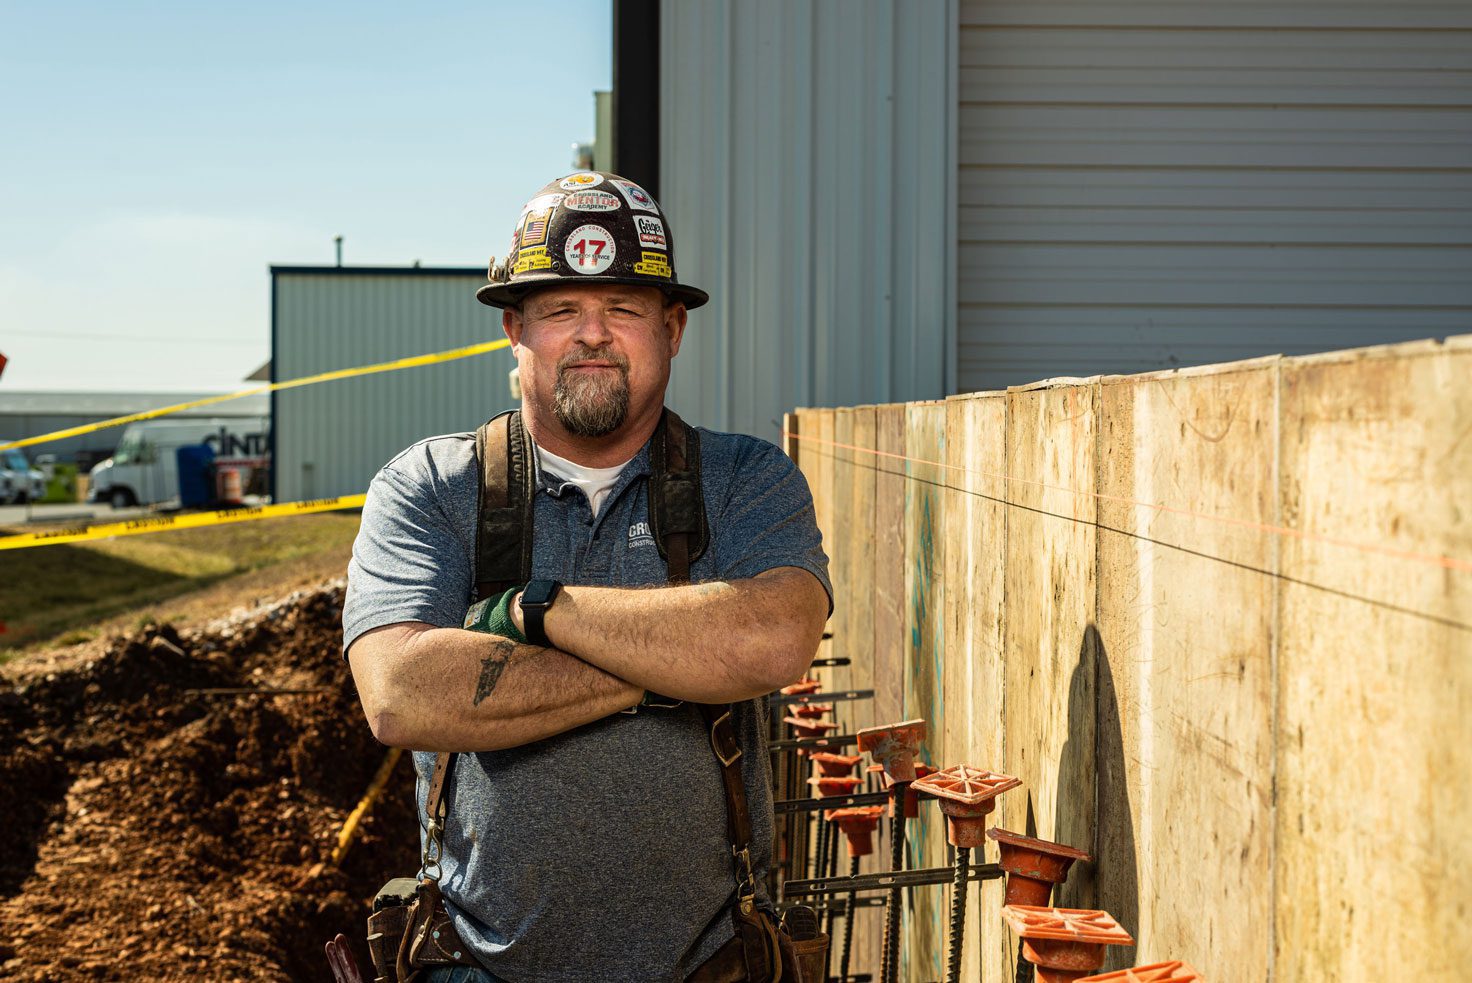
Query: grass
x: 60, y: 594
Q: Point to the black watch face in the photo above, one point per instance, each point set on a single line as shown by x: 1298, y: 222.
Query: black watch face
x: 538, y: 592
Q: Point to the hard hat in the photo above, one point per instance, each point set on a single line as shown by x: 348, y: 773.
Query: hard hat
x: 588, y: 227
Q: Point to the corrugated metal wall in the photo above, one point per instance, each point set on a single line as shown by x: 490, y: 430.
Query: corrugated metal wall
x: 807, y: 169
x: 331, y: 438
x: 1151, y: 184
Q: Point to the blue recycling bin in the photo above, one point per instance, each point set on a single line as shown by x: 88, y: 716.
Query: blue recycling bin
x: 195, y: 462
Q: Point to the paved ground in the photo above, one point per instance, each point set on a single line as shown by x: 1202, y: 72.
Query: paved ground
x: 68, y: 512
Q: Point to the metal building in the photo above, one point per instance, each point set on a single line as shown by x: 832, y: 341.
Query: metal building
x: 893, y: 199
x: 806, y: 158
x: 330, y: 439
x: 30, y: 414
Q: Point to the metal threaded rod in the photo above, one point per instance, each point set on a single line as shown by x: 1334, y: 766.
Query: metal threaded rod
x: 830, y: 869
x: 958, y: 914
x: 848, y: 921
x: 1024, y: 968
x: 896, y: 863
x: 820, y: 848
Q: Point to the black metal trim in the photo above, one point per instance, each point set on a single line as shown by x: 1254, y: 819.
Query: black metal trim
x: 479, y: 271
x: 636, y: 109
x: 803, y: 699
x: 271, y: 433
x: 821, y: 743
x: 886, y: 880
x: 813, y: 804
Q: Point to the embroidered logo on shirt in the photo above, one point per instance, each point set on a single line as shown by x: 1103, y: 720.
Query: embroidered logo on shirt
x: 639, y: 535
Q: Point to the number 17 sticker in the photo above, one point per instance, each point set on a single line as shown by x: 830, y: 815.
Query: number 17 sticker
x: 590, y: 249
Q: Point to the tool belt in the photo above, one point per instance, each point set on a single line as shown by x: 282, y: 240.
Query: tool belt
x: 410, y: 929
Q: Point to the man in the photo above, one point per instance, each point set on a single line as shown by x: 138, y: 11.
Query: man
x: 584, y: 842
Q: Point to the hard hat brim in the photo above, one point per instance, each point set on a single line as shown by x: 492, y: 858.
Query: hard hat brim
x: 510, y: 294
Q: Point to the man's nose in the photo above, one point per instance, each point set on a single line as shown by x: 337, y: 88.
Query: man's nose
x: 592, y: 329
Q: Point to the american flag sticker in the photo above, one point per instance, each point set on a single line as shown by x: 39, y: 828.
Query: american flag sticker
x: 534, y: 231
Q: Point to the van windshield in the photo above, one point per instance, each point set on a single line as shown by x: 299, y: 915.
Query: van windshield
x: 14, y: 460
x: 128, y: 449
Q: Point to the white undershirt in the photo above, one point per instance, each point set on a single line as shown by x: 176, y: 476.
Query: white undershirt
x: 596, y: 483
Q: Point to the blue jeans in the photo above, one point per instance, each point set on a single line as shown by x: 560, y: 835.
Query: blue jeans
x: 460, y: 974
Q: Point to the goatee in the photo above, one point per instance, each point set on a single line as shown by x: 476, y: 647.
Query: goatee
x: 591, y: 404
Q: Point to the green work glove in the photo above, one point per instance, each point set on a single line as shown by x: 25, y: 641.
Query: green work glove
x: 493, y: 615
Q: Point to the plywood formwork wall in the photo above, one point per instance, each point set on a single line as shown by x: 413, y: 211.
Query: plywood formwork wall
x: 1219, y: 621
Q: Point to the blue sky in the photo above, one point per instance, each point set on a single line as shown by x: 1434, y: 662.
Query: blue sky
x: 157, y: 157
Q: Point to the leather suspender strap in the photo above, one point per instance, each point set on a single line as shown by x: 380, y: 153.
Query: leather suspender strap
x: 434, y: 840
x: 676, y: 500
x: 503, y: 527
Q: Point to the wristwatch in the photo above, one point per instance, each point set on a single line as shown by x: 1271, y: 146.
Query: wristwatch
x: 536, y: 598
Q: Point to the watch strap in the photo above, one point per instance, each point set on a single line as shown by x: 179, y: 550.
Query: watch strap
x: 533, y: 616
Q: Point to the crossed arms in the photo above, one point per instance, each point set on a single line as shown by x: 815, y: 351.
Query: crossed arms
x: 447, y: 689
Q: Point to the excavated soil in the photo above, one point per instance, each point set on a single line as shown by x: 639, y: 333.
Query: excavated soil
x: 153, y: 832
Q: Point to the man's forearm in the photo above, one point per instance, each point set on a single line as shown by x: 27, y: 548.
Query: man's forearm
x: 712, y: 643
x: 446, y: 689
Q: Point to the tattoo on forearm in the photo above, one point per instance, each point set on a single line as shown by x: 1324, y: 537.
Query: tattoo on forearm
x: 491, y: 668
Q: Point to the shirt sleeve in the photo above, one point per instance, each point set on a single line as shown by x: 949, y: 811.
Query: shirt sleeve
x: 407, y: 563
x: 768, y: 520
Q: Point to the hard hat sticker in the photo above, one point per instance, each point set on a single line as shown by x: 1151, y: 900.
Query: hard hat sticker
x: 638, y: 197
x: 534, y: 231
x: 535, y: 258
x: 592, y: 201
x: 580, y: 181
x: 548, y: 201
x: 590, y: 249
x: 654, y: 264
x: 651, y: 231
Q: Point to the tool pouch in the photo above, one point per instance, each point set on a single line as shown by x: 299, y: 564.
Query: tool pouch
x: 431, y: 940
x: 410, y: 930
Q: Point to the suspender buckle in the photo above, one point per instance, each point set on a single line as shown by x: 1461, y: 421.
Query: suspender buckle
x: 745, y: 879
x: 726, y: 757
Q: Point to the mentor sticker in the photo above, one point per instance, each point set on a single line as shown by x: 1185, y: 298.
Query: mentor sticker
x: 638, y: 197
x: 535, y: 258
x: 591, y: 201
x: 651, y: 231
x: 590, y: 249
x: 654, y: 264
x: 580, y: 181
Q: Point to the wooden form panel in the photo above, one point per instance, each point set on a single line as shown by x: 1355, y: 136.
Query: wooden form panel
x: 1374, y: 734
x: 1050, y: 639
x: 862, y: 545
x: 924, y: 648
x: 839, y: 538
x: 889, y: 558
x: 1184, y: 668
x: 974, y: 564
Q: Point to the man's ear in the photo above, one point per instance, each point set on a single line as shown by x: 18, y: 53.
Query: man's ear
x: 675, y: 318
x: 511, y: 323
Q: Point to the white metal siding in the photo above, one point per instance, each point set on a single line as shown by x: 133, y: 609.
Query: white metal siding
x: 807, y: 171
x: 1145, y: 185
x: 332, y: 437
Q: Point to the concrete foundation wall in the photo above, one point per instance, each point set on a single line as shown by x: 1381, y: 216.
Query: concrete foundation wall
x: 1208, y: 617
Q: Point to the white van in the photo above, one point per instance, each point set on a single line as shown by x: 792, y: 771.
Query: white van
x: 19, y: 482
x: 144, y: 470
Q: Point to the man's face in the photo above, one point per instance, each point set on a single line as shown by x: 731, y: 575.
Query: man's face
x: 592, y: 354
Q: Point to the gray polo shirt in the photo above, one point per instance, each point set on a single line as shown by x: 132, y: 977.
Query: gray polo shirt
x: 600, y: 853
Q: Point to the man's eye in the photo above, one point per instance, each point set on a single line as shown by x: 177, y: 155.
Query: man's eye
x: 625, y: 310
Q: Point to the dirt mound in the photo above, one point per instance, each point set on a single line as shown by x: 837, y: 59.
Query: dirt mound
x: 158, y: 832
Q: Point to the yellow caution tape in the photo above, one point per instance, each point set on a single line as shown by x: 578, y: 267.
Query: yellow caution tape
x: 183, y: 520
x: 402, y: 363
